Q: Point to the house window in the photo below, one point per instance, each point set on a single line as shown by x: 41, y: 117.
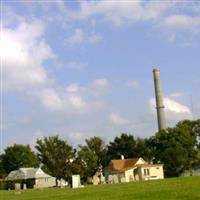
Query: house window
x: 146, y: 172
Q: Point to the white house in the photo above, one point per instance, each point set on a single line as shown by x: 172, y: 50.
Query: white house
x: 127, y: 170
x: 35, y: 177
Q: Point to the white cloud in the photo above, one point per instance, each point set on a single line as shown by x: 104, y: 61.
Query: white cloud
x: 101, y: 83
x: 76, y: 38
x: 116, y: 119
x: 74, y: 87
x: 76, y: 136
x: 74, y: 98
x: 23, y: 51
x: 80, y: 37
x: 51, y: 100
x: 61, y: 101
x: 177, y: 94
x: 120, y: 12
x: 174, y: 110
x: 183, y: 22
x: 133, y: 84
x: 176, y: 107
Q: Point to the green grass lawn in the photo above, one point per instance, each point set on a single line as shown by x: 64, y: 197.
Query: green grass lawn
x: 174, y: 188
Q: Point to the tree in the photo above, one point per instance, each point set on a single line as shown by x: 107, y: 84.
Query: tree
x: 143, y: 149
x: 175, y: 147
x: 92, y: 156
x: 193, y: 127
x: 124, y: 145
x: 17, y: 156
x: 55, y: 155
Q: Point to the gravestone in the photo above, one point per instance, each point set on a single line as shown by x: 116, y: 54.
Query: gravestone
x: 95, y: 180
x: 76, y: 183
x: 24, y: 186
x: 115, y: 179
x: 110, y: 179
x: 103, y: 180
x: 17, y: 186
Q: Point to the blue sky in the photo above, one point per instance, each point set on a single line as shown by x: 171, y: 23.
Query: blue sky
x: 84, y: 68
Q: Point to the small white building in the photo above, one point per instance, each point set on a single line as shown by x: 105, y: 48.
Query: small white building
x: 127, y: 170
x: 34, y: 177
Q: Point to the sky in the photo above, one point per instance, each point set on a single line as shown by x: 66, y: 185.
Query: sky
x: 84, y: 68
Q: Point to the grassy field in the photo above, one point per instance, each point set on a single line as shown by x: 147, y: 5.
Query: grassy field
x: 167, y: 189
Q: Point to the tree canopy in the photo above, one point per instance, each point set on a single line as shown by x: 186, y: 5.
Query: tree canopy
x: 123, y: 145
x: 176, y: 147
x: 17, y: 156
x: 55, y: 155
x: 92, y: 155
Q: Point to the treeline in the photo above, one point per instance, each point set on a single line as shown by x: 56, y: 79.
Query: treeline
x: 178, y: 148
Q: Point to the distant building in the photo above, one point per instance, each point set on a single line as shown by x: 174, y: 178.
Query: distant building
x: 127, y: 170
x: 33, y: 177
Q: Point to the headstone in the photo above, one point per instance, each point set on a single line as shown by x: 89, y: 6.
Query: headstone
x: 137, y: 178
x: 24, y: 186
x: 123, y: 180
x: 115, y: 179
x: 110, y: 179
x: 103, y: 180
x: 76, y: 183
x: 95, y: 180
x: 17, y: 186
x: 131, y: 178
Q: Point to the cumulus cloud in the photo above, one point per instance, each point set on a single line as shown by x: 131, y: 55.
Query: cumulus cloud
x: 77, y: 136
x: 75, y: 39
x: 120, y: 12
x: 80, y: 37
x: 183, y: 22
x: 177, y: 94
x: 133, y: 84
x: 74, y: 98
x: 51, y: 100
x: 61, y: 101
x: 118, y: 120
x: 174, y: 110
x: 23, y: 51
x: 101, y: 83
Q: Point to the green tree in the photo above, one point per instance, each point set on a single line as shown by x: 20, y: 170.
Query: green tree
x: 193, y: 127
x: 92, y: 156
x: 17, y: 156
x: 55, y: 155
x: 124, y: 145
x: 143, y: 149
x: 175, y: 147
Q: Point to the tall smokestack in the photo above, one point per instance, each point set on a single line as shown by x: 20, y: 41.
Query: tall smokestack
x: 159, y: 100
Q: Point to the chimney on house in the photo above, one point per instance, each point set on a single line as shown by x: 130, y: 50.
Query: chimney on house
x: 159, y: 100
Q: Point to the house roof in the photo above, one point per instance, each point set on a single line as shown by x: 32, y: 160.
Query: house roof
x: 123, y: 165
x: 27, y: 173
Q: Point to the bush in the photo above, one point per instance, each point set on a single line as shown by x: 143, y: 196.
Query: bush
x: 5, y: 185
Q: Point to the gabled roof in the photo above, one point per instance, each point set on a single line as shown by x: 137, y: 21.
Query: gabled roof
x: 123, y: 165
x: 27, y: 173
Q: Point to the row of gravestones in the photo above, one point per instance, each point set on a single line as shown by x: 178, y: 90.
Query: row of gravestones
x: 18, y: 186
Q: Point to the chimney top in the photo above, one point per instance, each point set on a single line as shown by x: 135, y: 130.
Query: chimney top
x: 156, y: 70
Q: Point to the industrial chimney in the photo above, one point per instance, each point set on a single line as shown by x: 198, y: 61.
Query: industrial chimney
x: 159, y: 100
